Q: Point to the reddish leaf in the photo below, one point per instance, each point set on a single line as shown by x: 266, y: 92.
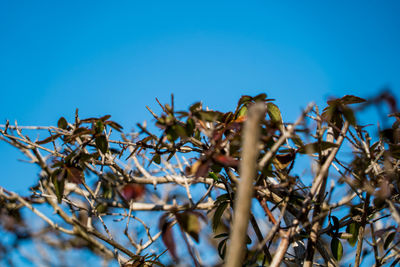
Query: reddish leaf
x: 74, y: 175
x: 217, y: 135
x: 168, y: 237
x: 105, y: 117
x: 226, y: 161
x: 132, y: 191
x: 62, y: 123
x: 202, y: 169
x: 241, y: 119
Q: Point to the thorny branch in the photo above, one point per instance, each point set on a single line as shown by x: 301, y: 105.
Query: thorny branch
x: 208, y: 168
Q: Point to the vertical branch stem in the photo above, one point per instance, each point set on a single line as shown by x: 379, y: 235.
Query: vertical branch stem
x: 282, y: 248
x: 315, y: 227
x: 361, y: 231
x: 242, y: 205
x: 375, y: 246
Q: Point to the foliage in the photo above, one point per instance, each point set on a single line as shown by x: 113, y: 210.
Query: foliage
x: 129, y: 197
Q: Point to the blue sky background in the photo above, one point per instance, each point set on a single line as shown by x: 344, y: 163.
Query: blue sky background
x: 115, y: 57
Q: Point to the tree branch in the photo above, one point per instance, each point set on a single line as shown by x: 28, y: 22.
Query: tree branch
x: 242, y: 204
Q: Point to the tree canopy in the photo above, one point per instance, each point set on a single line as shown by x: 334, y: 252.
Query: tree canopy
x: 202, y: 187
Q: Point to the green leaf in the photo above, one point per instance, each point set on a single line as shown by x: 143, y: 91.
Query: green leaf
x: 297, y: 140
x: 242, y: 111
x: 197, y: 135
x: 180, y: 130
x: 222, y: 248
x: 62, y: 123
x: 58, y: 164
x: 389, y: 240
x: 210, y: 116
x: 313, y: 147
x: 274, y: 113
x: 248, y: 240
x: 337, y: 120
x: 336, y: 248
x: 222, y: 235
x: 228, y: 117
x: 105, y: 117
x: 114, y: 125
x: 346, y: 100
x: 181, y: 114
x: 171, y: 134
x: 195, y: 107
x: 213, y: 175
x: 223, y: 197
x: 48, y: 139
x: 329, y: 112
x: 189, y: 127
x: 58, y: 177
x: 281, y: 161
x: 218, y: 214
x: 349, y: 116
x: 157, y: 158
x: 336, y: 224
x: 260, y: 97
x: 101, y: 208
x: 99, y: 126
x: 351, y: 99
x: 87, y: 120
x: 171, y: 155
x: 296, y: 200
x: 216, y: 168
x: 353, y: 229
x: 108, y: 192
x: 190, y: 224
x: 244, y: 100
x: 78, y: 132
x: 101, y: 143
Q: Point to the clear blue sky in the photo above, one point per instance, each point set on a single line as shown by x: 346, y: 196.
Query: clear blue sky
x: 115, y: 57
